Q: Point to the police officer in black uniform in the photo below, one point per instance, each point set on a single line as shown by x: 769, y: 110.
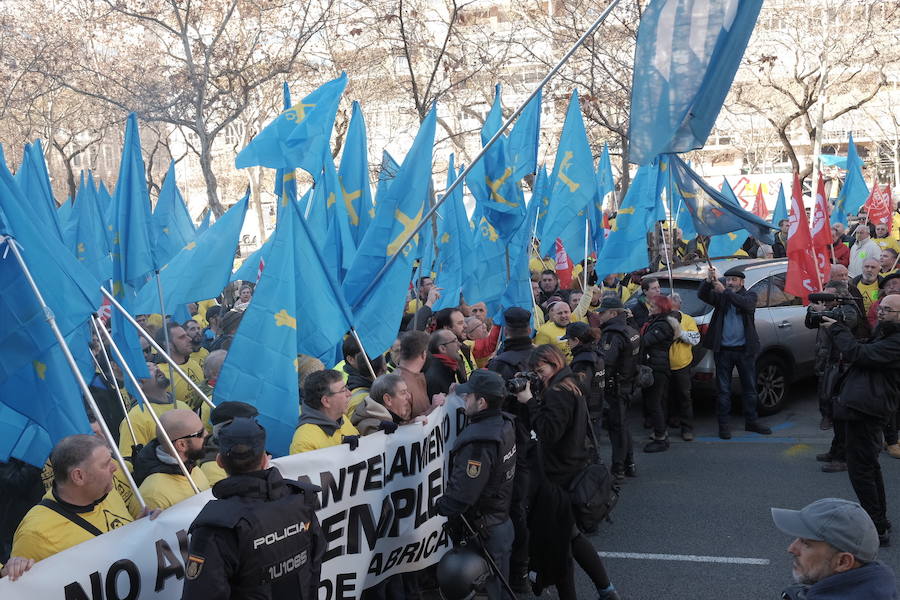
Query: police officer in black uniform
x: 587, y: 364
x: 512, y: 358
x: 260, y: 538
x: 482, y: 467
x: 619, y: 347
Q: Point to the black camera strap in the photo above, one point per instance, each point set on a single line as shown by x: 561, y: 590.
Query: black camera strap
x: 63, y: 511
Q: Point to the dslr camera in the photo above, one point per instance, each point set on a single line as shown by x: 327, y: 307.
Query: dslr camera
x: 518, y: 383
x: 835, y: 313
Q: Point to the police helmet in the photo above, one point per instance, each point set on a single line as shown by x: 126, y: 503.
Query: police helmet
x: 460, y: 573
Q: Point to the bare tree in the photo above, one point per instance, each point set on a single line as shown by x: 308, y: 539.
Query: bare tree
x: 810, y: 63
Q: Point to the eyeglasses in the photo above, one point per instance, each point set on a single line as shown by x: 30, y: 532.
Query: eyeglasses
x: 200, y: 434
x: 343, y: 390
x: 884, y: 309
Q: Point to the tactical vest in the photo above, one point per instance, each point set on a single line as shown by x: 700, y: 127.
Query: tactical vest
x: 620, y: 376
x: 500, y: 435
x: 274, y: 540
x: 586, y: 360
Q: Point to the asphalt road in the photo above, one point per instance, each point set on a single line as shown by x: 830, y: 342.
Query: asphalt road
x: 703, y: 508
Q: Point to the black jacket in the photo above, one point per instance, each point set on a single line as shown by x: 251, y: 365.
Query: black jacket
x: 871, y: 385
x: 744, y: 302
x: 640, y: 314
x: 260, y: 540
x: 482, y: 468
x: 587, y: 363
x: 439, y: 376
x: 146, y: 463
x: 559, y: 419
x: 656, y: 337
x: 620, y: 347
x: 356, y: 379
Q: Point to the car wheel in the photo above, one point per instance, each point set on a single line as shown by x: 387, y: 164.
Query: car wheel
x: 771, y: 384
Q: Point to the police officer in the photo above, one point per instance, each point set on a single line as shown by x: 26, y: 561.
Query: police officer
x: 587, y: 364
x: 482, y: 467
x: 619, y: 346
x: 260, y: 538
x: 512, y: 358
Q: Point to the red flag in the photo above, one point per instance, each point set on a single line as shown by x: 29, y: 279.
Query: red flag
x: 821, y: 229
x: 563, y: 266
x: 878, y: 206
x: 759, y: 207
x: 802, y: 277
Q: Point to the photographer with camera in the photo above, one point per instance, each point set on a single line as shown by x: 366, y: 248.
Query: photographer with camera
x: 558, y: 416
x: 834, y: 302
x: 480, y: 481
x: 866, y: 399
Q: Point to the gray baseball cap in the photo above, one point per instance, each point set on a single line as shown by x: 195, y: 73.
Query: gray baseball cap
x: 841, y: 523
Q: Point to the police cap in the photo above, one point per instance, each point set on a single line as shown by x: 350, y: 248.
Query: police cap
x: 483, y: 383
x: 231, y: 409
x: 242, y: 438
x: 517, y: 317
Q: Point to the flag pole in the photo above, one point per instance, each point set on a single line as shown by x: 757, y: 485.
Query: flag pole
x: 165, y: 327
x: 109, y: 364
x: 668, y: 259
x: 85, y: 391
x: 169, y: 444
x: 156, y: 346
x: 365, y: 356
x: 499, y: 133
x: 587, y: 236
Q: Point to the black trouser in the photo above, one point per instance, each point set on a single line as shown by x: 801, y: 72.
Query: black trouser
x: 680, y: 402
x: 890, y: 428
x: 838, y: 449
x: 587, y: 558
x: 617, y: 423
x: 655, y: 399
x: 518, y: 514
x: 498, y: 542
x: 863, y: 448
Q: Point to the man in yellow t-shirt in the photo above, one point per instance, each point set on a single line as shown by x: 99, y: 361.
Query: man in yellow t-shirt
x: 867, y: 282
x: 159, y: 402
x: 884, y: 239
x: 681, y: 354
x: 323, y: 420
x: 554, y: 330
x: 162, y: 483
x: 81, y: 504
x: 182, y: 352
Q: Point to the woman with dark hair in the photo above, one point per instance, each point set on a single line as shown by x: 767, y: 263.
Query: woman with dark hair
x: 558, y: 416
x: 657, y: 335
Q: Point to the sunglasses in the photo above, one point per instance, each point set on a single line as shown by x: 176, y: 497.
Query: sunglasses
x: 199, y: 434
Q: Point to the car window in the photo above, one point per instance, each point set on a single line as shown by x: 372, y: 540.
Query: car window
x: 777, y: 295
x: 761, y: 289
x: 690, y: 303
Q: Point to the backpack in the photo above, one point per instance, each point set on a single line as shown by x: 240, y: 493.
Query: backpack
x: 593, y: 491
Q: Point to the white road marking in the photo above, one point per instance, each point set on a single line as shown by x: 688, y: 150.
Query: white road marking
x: 734, y: 560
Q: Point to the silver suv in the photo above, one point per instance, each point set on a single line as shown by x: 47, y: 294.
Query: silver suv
x: 787, y: 347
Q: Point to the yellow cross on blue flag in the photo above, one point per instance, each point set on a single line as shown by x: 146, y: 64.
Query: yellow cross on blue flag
x: 300, y: 135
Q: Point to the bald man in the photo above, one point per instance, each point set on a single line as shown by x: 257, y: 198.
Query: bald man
x: 866, y: 400
x: 162, y: 483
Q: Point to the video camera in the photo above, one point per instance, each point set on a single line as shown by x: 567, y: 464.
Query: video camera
x: 822, y: 297
x: 518, y: 383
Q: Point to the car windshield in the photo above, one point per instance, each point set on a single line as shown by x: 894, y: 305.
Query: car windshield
x: 690, y: 303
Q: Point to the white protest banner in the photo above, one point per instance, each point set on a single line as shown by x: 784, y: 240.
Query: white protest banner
x: 377, y: 515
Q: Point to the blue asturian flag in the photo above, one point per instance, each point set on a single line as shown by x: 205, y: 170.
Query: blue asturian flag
x: 171, y: 224
x: 780, y: 213
x: 132, y: 249
x: 625, y: 249
x: 454, y: 242
x: 89, y: 235
x: 298, y: 137
x: 573, y: 187
x: 34, y: 181
x: 378, y: 311
x: 714, y: 213
x: 354, y: 176
x: 202, y: 268
x: 854, y: 192
x: 293, y: 312
x: 687, y: 54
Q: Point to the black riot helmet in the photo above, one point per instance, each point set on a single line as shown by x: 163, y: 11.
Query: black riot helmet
x: 460, y: 573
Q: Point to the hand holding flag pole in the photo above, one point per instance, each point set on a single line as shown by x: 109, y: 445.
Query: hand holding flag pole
x: 157, y: 347
x: 86, y: 392
x: 170, y: 446
x: 497, y: 135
